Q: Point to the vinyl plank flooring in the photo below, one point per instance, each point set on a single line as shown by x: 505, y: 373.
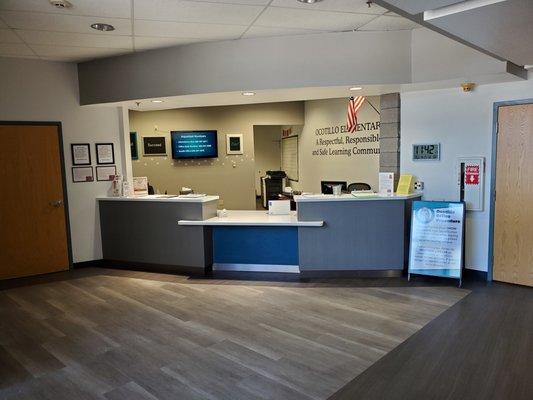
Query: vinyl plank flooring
x: 480, y: 348
x: 11, y: 371
x: 116, y: 334
x: 34, y: 358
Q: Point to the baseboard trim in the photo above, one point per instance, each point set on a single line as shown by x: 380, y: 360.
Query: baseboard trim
x: 158, y: 268
x: 381, y: 273
x: 293, y: 269
x: 475, y: 275
x: 88, y: 264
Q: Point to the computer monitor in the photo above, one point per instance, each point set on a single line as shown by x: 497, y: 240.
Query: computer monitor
x: 327, y: 186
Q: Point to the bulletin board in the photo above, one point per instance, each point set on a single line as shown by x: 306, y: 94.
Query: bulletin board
x: 289, y: 157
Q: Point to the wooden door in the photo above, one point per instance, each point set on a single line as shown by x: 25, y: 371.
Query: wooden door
x: 33, y: 230
x: 513, y: 222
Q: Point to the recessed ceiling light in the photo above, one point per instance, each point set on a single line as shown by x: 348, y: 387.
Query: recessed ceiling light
x: 309, y: 1
x: 353, y: 88
x: 248, y: 93
x: 157, y: 101
x: 61, y: 4
x: 103, y: 27
x: 458, y: 8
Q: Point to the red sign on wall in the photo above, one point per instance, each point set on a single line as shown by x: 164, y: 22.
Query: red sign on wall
x: 471, y: 174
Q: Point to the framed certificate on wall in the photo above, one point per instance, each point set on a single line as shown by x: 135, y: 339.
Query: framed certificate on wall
x: 81, y: 153
x: 82, y: 174
x: 105, y: 153
x: 106, y: 173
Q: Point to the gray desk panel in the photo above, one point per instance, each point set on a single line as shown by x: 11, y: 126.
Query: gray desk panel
x: 148, y: 232
x: 362, y: 235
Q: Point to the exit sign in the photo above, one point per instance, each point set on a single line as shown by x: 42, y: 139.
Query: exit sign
x: 426, y: 152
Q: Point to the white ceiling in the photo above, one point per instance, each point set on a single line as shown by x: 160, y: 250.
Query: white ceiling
x: 36, y: 29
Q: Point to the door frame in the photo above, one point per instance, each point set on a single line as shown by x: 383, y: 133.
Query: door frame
x: 495, y: 111
x: 63, y: 174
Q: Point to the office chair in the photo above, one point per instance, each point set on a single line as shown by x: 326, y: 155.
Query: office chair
x: 358, y: 186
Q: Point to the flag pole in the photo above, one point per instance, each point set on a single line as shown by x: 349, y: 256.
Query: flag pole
x: 373, y: 106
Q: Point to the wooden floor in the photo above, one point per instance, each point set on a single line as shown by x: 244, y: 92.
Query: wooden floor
x: 108, y: 334
x: 479, y: 349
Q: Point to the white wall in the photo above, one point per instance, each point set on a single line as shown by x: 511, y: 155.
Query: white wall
x: 331, y: 113
x: 462, y: 123
x: 32, y: 90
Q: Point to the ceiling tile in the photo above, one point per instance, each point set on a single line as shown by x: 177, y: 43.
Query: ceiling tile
x: 62, y: 23
x: 389, y: 23
x: 195, y: 11
x: 149, y: 42
x: 98, y: 8
x: 307, y: 19
x: 76, y: 39
x: 184, y: 30
x: 245, y: 2
x: 265, y: 31
x: 354, y: 6
x: 68, y: 53
x: 15, y: 49
x: 8, y: 36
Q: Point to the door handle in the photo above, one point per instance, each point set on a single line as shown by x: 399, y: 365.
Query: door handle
x: 56, y: 203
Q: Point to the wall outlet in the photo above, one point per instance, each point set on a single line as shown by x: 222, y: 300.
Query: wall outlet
x: 419, y: 185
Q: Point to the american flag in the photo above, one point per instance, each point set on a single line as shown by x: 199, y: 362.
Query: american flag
x: 353, y: 106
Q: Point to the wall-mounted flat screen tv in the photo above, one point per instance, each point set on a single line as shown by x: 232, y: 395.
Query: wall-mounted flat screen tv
x: 194, y: 144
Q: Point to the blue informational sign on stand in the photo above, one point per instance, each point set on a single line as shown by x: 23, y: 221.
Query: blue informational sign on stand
x: 437, y: 237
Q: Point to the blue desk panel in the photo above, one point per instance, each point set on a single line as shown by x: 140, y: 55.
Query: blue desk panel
x: 276, y: 245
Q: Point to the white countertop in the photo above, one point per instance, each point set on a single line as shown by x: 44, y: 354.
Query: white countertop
x: 253, y: 218
x: 350, y: 197
x: 162, y: 198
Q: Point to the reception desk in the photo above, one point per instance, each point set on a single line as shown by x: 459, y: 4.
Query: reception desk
x: 359, y: 233
x: 327, y: 235
x: 143, y: 231
x: 255, y: 241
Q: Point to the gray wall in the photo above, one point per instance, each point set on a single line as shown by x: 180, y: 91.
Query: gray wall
x: 325, y: 59
x: 332, y: 59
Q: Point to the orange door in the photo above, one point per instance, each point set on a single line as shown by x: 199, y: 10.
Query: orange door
x: 33, y: 230
x: 513, y: 218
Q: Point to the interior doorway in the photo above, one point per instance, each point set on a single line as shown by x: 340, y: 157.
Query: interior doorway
x: 33, y: 206
x: 267, y: 153
x: 512, y: 218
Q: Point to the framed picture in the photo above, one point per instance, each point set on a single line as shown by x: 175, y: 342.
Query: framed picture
x: 154, y: 146
x: 234, y: 144
x: 134, y: 149
x: 105, y: 153
x: 81, y: 153
x: 82, y: 174
x: 106, y: 173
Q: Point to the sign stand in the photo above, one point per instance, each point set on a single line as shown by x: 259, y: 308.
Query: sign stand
x: 437, y: 239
